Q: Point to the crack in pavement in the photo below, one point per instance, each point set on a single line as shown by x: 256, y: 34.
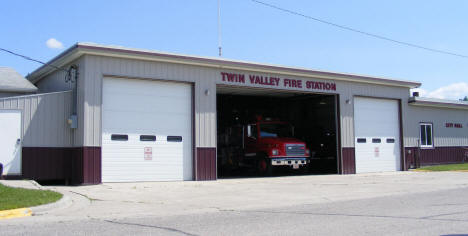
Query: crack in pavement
x: 450, y: 204
x: 104, y: 200
x: 152, y: 226
x: 83, y: 195
x: 446, y: 214
x: 358, y: 215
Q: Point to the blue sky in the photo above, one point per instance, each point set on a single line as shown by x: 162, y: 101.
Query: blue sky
x: 253, y: 32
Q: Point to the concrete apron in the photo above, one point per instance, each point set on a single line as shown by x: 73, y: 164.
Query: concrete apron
x: 173, y: 198
x: 119, y: 200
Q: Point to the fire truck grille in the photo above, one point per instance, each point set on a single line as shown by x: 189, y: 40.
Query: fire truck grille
x: 295, y: 149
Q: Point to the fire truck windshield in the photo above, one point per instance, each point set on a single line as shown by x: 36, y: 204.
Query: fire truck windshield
x: 276, y: 131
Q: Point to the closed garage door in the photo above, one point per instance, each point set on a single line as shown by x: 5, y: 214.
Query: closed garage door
x: 377, y: 135
x: 146, y: 130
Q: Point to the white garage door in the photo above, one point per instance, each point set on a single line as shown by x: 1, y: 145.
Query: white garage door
x: 10, y: 141
x: 377, y: 135
x: 146, y: 130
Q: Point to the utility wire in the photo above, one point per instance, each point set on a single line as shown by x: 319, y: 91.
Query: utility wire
x: 360, y: 31
x: 32, y: 59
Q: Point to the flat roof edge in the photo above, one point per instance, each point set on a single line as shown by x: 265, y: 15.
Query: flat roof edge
x: 95, y: 49
x: 35, y: 95
x: 43, y: 70
x: 429, y: 102
x: 18, y: 90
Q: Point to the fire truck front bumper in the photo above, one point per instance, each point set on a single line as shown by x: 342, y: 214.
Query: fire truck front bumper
x: 293, y: 162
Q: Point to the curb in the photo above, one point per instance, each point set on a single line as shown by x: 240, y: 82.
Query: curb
x: 416, y: 170
x: 63, y: 202
x: 15, y: 213
x: 12, y: 183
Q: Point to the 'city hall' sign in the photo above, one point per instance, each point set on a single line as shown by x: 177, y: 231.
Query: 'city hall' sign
x: 251, y: 79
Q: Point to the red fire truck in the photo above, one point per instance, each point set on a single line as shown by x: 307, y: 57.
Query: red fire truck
x: 264, y: 145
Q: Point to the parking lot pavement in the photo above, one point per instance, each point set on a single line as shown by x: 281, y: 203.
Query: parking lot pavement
x: 118, y: 200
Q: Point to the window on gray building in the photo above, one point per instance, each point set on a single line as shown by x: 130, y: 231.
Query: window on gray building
x: 425, y: 135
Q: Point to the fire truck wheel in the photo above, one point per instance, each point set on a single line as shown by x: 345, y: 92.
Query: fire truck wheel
x: 264, y: 167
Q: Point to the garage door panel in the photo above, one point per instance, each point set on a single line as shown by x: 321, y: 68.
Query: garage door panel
x: 376, y: 119
x: 138, y: 107
x: 148, y: 104
x: 122, y: 86
x: 160, y: 123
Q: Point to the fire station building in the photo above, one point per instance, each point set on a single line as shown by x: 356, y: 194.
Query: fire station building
x: 115, y: 114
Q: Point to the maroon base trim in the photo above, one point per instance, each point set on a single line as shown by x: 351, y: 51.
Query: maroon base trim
x: 435, y: 156
x: 78, y: 165
x: 11, y: 177
x: 205, y: 164
x: 91, y: 165
x: 349, y: 160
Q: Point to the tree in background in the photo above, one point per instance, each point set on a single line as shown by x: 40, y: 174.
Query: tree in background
x: 464, y: 99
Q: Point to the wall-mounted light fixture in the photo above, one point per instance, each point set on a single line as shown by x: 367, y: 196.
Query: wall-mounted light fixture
x: 207, y: 92
x: 348, y: 101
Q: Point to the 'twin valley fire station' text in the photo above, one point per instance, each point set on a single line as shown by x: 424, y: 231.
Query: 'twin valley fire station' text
x: 276, y: 81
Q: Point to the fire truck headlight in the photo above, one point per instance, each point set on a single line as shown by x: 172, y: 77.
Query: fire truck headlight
x: 274, y: 152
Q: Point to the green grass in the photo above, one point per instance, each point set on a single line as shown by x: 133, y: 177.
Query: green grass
x: 11, y: 198
x: 451, y: 167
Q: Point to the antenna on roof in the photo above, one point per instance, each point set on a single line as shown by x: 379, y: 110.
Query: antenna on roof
x: 220, y: 50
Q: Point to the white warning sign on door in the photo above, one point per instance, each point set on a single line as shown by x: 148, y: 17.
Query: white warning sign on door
x: 148, y: 153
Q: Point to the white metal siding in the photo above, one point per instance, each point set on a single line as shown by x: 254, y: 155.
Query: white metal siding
x: 202, y: 78
x: 55, y: 82
x: 205, y: 79
x: 44, y: 118
x: 443, y: 136
x: 143, y: 107
x: 376, y: 119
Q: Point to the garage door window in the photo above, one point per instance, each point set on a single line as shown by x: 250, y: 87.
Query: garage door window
x: 119, y: 137
x: 426, y: 135
x: 361, y: 140
x: 150, y: 138
x: 174, y: 139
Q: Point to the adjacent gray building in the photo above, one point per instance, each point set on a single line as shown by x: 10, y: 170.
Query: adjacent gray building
x: 14, y: 84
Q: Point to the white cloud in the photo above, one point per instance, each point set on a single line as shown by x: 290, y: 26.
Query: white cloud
x: 54, y: 44
x: 452, y: 91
